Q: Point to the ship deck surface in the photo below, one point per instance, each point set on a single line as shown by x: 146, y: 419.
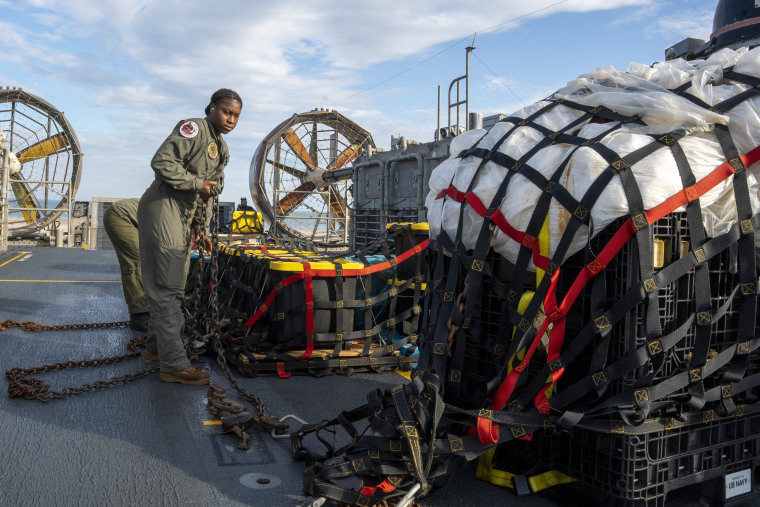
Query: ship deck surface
x: 148, y: 442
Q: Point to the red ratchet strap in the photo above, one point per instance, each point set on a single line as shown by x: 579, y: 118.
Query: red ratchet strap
x: 307, y: 283
x: 488, y: 431
x: 367, y: 491
x: 385, y: 486
x: 281, y: 370
x: 557, y: 316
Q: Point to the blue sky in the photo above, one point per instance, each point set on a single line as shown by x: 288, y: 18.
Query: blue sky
x: 124, y: 72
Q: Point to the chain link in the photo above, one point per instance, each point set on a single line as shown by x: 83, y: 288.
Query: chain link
x: 34, y: 388
x: 205, y: 317
x: 34, y: 326
x: 212, y: 320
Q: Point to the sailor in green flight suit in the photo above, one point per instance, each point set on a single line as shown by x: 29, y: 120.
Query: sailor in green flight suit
x: 120, y: 223
x: 187, y: 167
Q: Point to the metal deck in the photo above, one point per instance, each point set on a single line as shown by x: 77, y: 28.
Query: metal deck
x: 148, y: 442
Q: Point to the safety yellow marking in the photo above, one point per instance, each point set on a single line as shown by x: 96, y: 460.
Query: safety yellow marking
x: 64, y: 281
x: 16, y: 257
x: 212, y: 423
x: 406, y: 374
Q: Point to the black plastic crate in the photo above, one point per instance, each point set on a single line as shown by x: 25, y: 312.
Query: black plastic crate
x: 480, y: 363
x: 367, y: 225
x: 676, y: 301
x: 652, y: 469
x: 676, y: 305
x: 406, y: 240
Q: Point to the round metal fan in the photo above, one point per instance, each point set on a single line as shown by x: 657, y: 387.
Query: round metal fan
x: 290, y: 176
x: 45, y: 160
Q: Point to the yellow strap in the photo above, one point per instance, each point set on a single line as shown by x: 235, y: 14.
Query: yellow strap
x: 416, y: 226
x: 539, y: 482
x: 548, y: 479
x: 485, y: 471
x: 543, y: 246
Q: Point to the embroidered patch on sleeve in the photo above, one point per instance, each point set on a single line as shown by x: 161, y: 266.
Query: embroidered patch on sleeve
x: 188, y: 129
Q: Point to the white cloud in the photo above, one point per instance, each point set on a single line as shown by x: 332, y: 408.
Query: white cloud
x: 22, y: 48
x: 140, y: 66
x: 688, y: 23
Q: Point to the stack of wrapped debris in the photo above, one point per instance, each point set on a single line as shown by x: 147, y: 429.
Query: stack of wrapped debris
x: 595, y: 294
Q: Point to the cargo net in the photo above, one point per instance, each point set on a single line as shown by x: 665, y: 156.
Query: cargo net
x: 285, y: 311
x: 594, y: 270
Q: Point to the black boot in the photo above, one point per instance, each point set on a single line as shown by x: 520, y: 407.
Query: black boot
x: 139, y: 321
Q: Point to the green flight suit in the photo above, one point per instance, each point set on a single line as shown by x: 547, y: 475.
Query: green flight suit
x: 169, y: 211
x: 120, y: 223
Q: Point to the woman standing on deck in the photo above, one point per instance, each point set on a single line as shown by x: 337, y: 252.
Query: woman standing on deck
x: 187, y: 166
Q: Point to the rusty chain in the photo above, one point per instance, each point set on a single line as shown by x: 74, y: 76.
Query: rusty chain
x: 263, y: 417
x: 34, y: 326
x: 34, y: 388
x: 198, y: 315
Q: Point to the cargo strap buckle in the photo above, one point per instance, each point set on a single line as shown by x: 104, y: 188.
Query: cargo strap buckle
x: 521, y: 485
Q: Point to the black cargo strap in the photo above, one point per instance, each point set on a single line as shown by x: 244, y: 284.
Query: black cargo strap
x: 691, y: 362
x: 255, y: 305
x: 651, y: 282
x: 385, y: 461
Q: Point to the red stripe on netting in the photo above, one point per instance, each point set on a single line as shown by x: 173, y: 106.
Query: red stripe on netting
x: 416, y: 249
x: 523, y: 238
x: 412, y: 251
x: 541, y: 400
x: 555, y: 338
x: 476, y: 203
x: 452, y: 192
x: 270, y: 299
x: 621, y: 237
x: 309, y: 350
x: 497, y: 217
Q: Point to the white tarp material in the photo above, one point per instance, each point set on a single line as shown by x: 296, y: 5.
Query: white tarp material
x: 642, y: 91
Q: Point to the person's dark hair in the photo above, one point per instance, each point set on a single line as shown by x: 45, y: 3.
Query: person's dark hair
x: 221, y: 94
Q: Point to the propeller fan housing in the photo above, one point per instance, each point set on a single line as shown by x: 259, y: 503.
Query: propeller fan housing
x: 45, y: 160
x: 289, y: 176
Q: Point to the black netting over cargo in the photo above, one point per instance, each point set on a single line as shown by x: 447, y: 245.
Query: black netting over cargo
x: 286, y: 311
x: 594, y: 274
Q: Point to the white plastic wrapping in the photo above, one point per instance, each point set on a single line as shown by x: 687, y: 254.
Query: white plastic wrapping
x: 642, y: 91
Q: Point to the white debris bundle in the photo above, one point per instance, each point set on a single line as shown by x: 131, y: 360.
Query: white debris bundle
x: 642, y: 91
